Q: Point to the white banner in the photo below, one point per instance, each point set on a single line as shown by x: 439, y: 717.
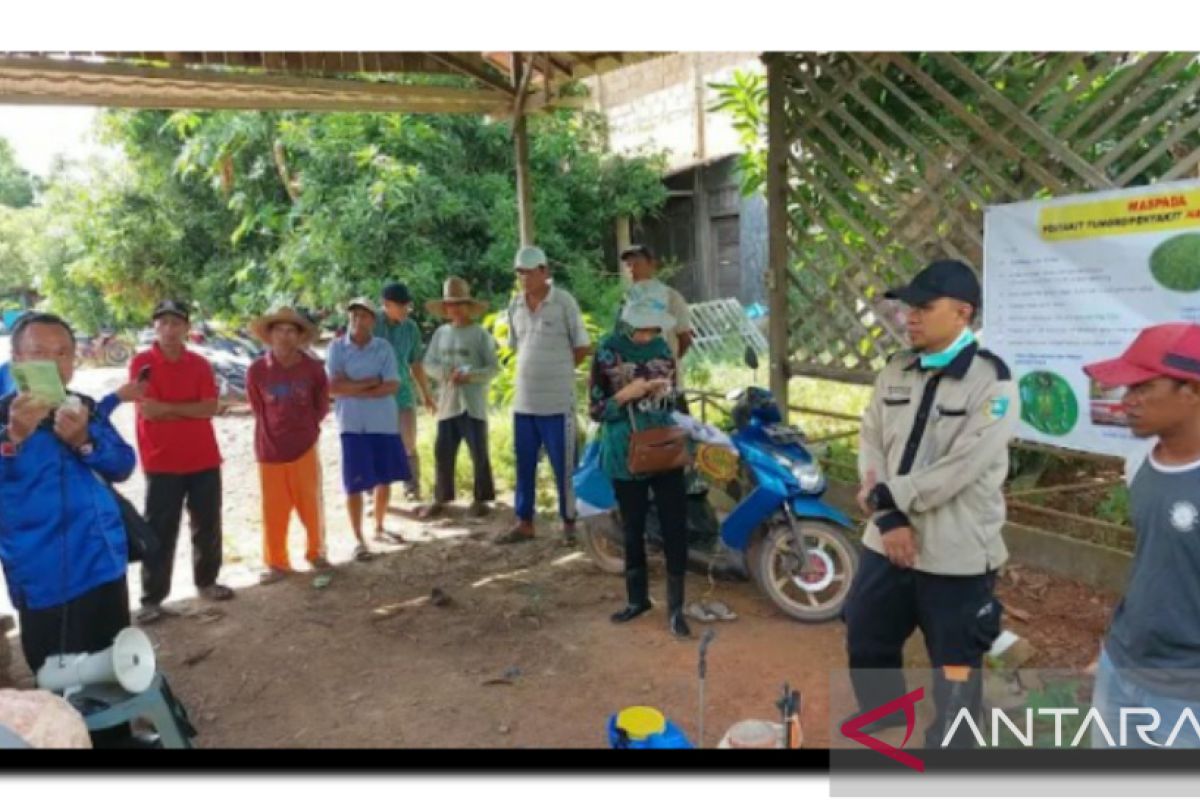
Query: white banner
x: 1072, y: 280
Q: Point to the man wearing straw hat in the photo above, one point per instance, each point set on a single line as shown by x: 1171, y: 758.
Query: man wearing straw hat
x: 461, y: 357
x: 363, y: 378
x: 289, y: 394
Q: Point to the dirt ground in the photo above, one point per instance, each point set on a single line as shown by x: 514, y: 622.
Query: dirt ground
x: 523, y: 655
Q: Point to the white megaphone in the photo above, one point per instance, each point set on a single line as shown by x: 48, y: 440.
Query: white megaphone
x: 129, y: 662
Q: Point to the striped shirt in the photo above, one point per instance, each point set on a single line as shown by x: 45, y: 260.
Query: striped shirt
x: 545, y: 341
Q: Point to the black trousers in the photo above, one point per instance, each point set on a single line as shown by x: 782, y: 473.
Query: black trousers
x: 670, y: 498
x: 93, y: 621
x: 450, y: 434
x: 959, y: 617
x: 165, y: 498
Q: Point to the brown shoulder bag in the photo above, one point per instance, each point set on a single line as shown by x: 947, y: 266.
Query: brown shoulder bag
x: 656, y: 449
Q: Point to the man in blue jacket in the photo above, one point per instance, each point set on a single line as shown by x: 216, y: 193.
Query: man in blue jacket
x: 62, y: 540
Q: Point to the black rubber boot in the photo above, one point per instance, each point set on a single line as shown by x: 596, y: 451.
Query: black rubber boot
x: 638, y: 592
x: 675, y: 619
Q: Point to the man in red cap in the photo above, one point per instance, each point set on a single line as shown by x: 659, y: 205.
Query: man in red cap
x: 1151, y: 657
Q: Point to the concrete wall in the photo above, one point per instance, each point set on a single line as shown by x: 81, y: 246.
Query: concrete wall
x: 662, y: 106
x: 654, y: 105
x: 1095, y: 565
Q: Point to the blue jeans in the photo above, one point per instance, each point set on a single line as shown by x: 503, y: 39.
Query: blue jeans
x: 555, y: 433
x: 1115, y: 690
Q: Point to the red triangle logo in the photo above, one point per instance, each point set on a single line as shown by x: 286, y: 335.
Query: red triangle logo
x: 852, y: 728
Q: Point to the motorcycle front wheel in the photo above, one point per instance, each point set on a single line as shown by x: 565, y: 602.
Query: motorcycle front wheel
x: 812, y: 592
x: 116, y: 353
x: 605, y: 553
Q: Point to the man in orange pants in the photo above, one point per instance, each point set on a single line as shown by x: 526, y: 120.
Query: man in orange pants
x: 289, y: 393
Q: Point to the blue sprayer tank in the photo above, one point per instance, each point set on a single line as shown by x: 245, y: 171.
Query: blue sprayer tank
x: 670, y: 737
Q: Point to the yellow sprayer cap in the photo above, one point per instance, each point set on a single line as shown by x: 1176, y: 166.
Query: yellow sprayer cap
x: 641, y: 722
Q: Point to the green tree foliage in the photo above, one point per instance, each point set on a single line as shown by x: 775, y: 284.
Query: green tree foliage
x: 240, y: 210
x: 20, y: 240
x: 17, y: 186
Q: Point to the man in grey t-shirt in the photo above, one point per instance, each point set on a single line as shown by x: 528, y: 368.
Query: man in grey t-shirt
x: 1151, y: 657
x: 545, y: 328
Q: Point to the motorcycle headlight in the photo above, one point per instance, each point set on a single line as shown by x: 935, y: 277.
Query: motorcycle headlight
x: 809, y: 476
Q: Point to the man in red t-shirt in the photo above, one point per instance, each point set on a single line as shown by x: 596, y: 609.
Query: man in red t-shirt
x: 289, y: 393
x: 180, y: 457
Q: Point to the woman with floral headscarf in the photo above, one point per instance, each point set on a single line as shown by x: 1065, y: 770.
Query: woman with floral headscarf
x: 632, y: 380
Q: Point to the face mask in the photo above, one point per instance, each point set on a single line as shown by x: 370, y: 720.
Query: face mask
x: 942, y: 359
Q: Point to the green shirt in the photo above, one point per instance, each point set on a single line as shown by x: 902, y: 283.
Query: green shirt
x: 405, y: 339
x: 469, y: 349
x: 618, y: 361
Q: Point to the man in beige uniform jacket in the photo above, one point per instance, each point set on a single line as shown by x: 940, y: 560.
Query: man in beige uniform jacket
x: 933, y: 458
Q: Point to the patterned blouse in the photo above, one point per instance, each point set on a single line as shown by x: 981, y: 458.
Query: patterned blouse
x: 618, y: 361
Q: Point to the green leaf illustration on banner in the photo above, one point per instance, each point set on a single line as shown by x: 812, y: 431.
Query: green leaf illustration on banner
x: 1048, y: 403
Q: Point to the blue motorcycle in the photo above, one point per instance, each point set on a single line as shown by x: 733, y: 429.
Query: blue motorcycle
x: 755, y: 514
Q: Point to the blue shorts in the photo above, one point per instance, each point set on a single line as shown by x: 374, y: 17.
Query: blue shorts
x: 372, y: 459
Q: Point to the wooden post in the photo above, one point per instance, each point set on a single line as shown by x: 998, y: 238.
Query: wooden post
x: 777, y: 243
x: 705, y: 283
x: 705, y: 260
x: 521, y: 145
x: 624, y: 237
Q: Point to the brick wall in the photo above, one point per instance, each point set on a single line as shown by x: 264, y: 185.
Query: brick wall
x: 652, y: 105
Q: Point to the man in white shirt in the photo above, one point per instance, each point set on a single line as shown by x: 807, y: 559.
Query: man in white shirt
x: 545, y: 328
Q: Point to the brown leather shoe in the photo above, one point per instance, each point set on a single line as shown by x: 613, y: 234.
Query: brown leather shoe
x: 521, y: 531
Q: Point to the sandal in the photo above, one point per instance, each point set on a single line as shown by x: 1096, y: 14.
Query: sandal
x: 272, y: 575
x: 699, y: 613
x: 720, y: 611
x: 431, y: 511
x: 216, y: 592
x: 391, y: 538
x: 150, y: 614
x: 361, y: 553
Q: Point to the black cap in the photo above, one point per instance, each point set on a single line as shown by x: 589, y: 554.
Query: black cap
x: 172, y: 307
x: 637, y: 250
x: 397, y: 293
x: 948, y: 278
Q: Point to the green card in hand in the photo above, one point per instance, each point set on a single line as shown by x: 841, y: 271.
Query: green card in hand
x: 40, y: 379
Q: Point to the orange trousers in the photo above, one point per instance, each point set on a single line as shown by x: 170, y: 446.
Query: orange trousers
x: 294, y: 485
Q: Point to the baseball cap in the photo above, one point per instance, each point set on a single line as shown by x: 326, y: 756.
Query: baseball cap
x: 530, y: 257
x: 646, y: 307
x: 638, y: 250
x: 173, y: 307
x: 947, y: 278
x: 397, y: 293
x: 1171, y: 350
x: 364, y: 304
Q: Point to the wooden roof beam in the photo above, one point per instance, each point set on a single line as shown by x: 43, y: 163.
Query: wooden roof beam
x: 479, y: 73
x: 46, y: 82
